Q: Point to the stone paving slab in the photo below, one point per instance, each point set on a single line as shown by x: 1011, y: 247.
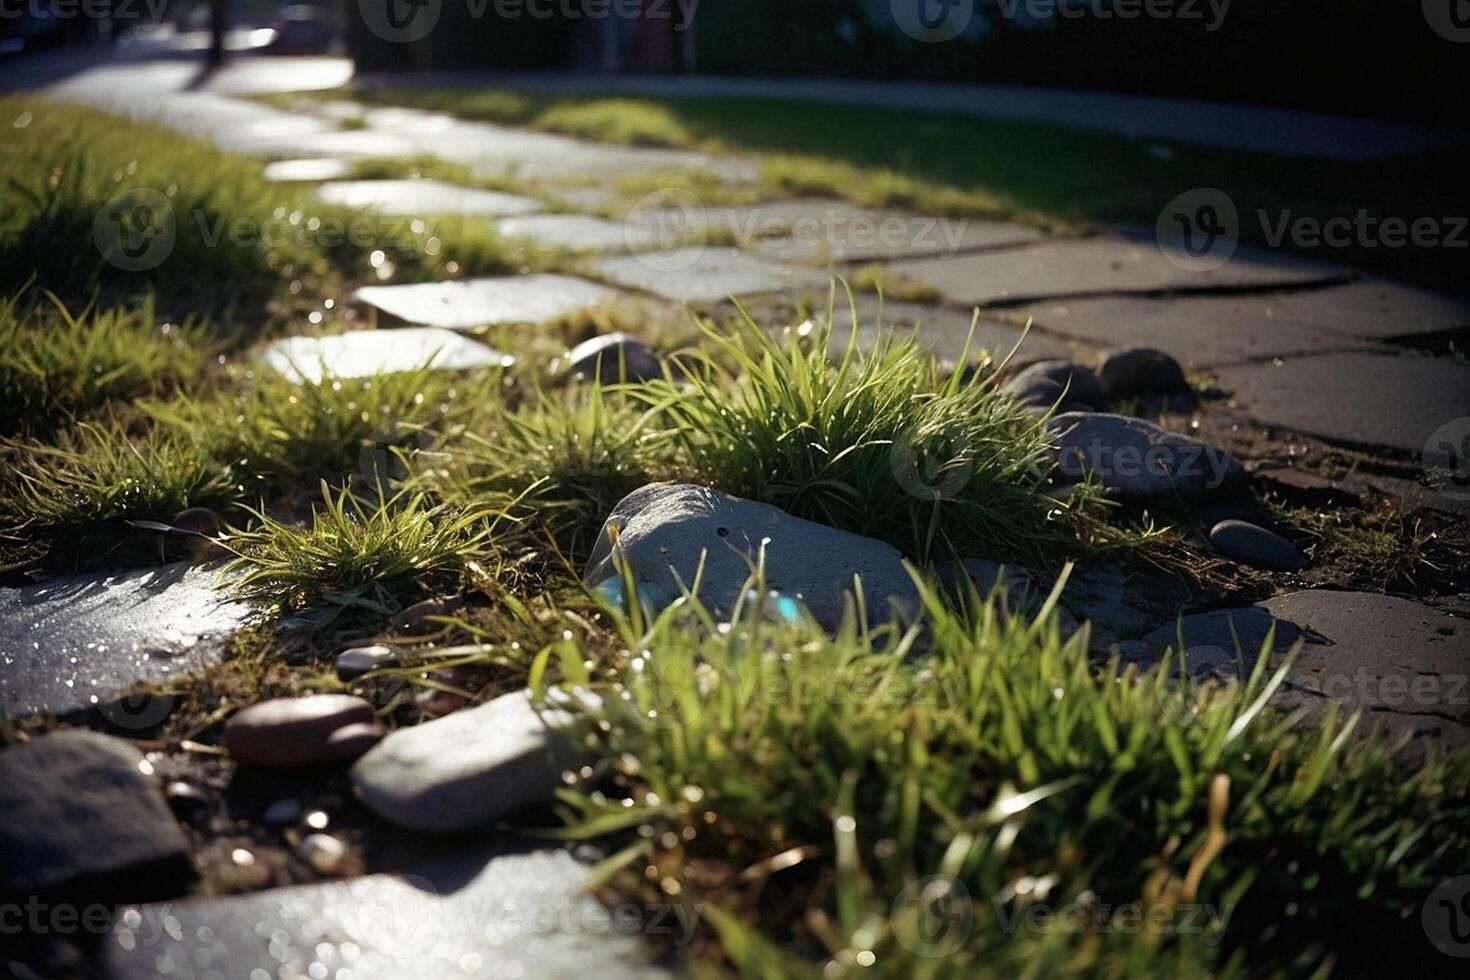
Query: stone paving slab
x: 1371, y: 400
x: 364, y: 353
x: 578, y: 232
x: 499, y: 911
x: 409, y: 198
x: 936, y: 329
x: 72, y: 642
x: 1100, y: 266
x: 1374, y: 308
x: 345, y: 143
x: 1199, y: 331
x: 697, y: 274
x: 305, y: 169
x: 1406, y: 663
x: 467, y: 303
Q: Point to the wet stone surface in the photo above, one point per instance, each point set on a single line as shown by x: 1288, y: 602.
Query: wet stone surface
x: 71, y: 643
x: 502, y: 910
x: 363, y: 353
x: 1369, y: 400
x: 697, y: 274
x: 468, y: 303
x: 1405, y: 663
x: 1099, y: 266
x: 411, y: 198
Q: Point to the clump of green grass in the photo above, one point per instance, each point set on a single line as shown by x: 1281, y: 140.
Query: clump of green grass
x: 401, y: 545
x: 56, y: 366
x: 79, y: 493
x: 875, y: 442
x: 913, y: 802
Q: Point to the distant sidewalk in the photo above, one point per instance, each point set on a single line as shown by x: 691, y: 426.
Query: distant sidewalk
x: 1282, y: 132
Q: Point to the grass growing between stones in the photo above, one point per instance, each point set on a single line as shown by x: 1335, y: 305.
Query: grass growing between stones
x: 975, y: 798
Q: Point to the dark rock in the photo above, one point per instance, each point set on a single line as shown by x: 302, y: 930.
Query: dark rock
x: 187, y: 801
x: 470, y: 768
x: 665, y: 530
x: 282, y: 813
x: 418, y: 619
x: 611, y: 358
x: 1133, y: 371
x: 1044, y: 383
x: 1256, y: 546
x: 1120, y: 604
x: 81, y: 818
x: 352, y: 664
x: 1137, y: 460
x: 290, y: 732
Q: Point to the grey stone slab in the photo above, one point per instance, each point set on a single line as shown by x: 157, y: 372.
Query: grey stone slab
x: 591, y: 198
x: 497, y: 911
x: 69, y: 643
x: 1100, y: 266
x: 305, y: 169
x: 1373, y: 400
x: 578, y: 232
x: 364, y: 353
x: 81, y: 816
x: 422, y: 197
x: 467, y: 303
x: 346, y: 143
x: 1405, y: 663
x: 698, y: 274
x: 1199, y: 331
x: 1373, y: 308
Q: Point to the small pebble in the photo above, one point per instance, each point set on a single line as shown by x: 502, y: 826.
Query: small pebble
x: 290, y: 732
x: 187, y: 801
x: 1132, y: 371
x: 352, y: 664
x: 323, y: 852
x: 351, y: 741
x: 611, y: 358
x: 282, y: 813
x: 419, y: 618
x: 1256, y: 546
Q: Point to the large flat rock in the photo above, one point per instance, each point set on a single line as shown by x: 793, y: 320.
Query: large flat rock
x: 497, y: 911
x: 69, y: 643
x: 305, y: 169
x: 1405, y: 663
x: 1199, y: 331
x: 577, y: 232
x: 364, y: 353
x: 1373, y: 308
x: 697, y: 274
x: 408, y: 198
x: 1370, y: 400
x: 468, y: 303
x: 1100, y: 266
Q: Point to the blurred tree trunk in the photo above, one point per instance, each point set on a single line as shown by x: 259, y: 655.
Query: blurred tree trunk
x: 216, y: 31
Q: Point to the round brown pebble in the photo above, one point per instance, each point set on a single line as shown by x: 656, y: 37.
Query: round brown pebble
x: 290, y: 732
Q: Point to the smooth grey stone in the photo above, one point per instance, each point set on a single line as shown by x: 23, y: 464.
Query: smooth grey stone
x: 308, y: 169
x: 1360, y: 399
x: 1046, y: 383
x: 1373, y: 308
x: 469, y: 768
x: 285, y: 733
x: 1131, y: 371
x: 352, y: 664
x: 664, y: 530
x: 1256, y: 546
x: 467, y: 303
x: 505, y: 909
x: 1403, y: 662
x: 1102, y: 265
x: 1120, y: 604
x: 81, y: 817
x: 611, y: 357
x: 1136, y: 460
x: 700, y: 274
x: 578, y: 233
x: 364, y: 353
x: 416, y: 198
x: 74, y: 642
